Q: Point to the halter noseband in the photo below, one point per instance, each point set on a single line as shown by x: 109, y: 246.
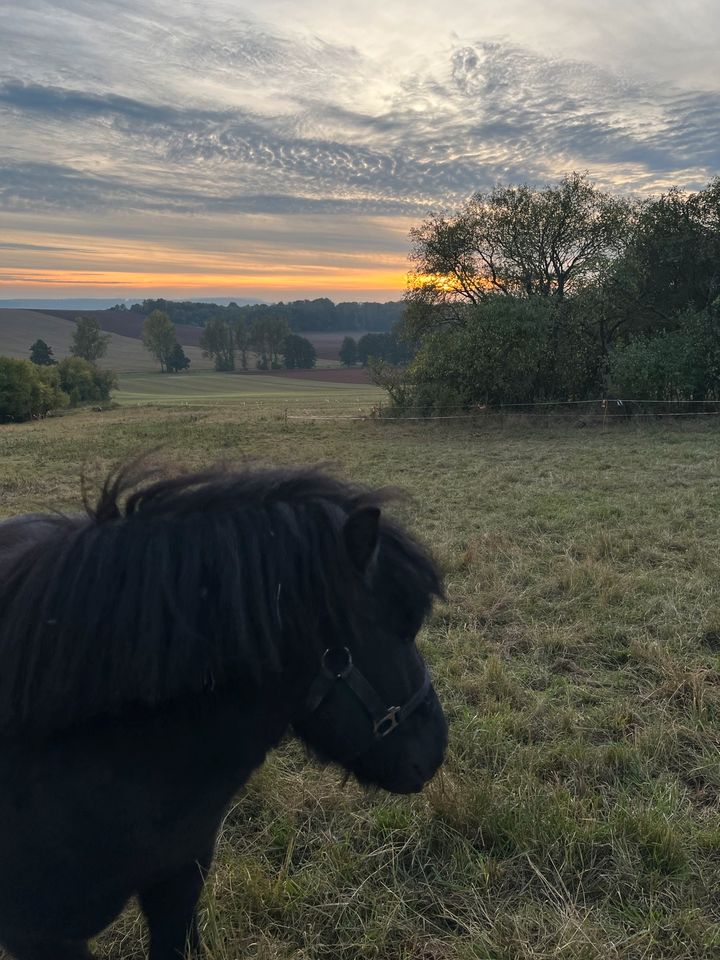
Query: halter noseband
x: 384, y: 719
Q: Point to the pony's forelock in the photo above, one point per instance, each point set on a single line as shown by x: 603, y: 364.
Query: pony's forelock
x: 174, y: 583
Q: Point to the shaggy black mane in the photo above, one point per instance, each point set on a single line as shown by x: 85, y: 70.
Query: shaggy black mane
x: 171, y: 585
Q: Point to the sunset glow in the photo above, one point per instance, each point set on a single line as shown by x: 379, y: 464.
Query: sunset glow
x: 305, y: 281
x: 287, y: 153
x: 143, y: 267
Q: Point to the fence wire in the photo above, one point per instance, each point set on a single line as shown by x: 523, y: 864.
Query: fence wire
x: 604, y: 409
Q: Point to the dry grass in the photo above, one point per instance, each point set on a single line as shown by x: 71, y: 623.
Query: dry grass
x: 578, y: 657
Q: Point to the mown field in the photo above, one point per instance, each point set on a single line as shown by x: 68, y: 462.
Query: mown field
x: 203, y: 387
x: 577, y: 655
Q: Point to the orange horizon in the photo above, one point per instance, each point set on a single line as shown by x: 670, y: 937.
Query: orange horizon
x: 52, y: 263
x: 293, y: 285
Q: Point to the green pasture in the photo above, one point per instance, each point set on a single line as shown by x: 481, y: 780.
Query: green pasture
x: 577, y: 654
x: 208, y: 387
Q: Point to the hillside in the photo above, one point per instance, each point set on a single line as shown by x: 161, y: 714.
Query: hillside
x: 129, y: 324
x: 126, y: 354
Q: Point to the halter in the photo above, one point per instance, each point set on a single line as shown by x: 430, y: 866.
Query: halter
x: 384, y: 719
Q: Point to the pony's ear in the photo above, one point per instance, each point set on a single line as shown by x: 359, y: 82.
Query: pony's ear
x: 361, y: 534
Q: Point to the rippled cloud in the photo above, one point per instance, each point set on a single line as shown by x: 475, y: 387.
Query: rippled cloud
x: 158, y: 112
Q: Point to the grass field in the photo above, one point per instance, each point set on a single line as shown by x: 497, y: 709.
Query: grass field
x: 577, y: 655
x: 125, y: 354
x: 203, y: 387
x: 21, y: 328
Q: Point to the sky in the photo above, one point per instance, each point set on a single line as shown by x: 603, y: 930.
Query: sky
x: 283, y: 150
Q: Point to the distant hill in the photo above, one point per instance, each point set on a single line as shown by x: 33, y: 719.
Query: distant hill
x: 20, y: 328
x: 126, y: 323
x: 126, y: 354
x: 89, y: 303
x: 71, y: 303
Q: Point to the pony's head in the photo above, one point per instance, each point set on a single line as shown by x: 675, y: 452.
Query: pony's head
x: 287, y: 584
x: 371, y: 706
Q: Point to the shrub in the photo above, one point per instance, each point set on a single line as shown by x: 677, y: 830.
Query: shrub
x: 505, y: 351
x: 682, y: 364
x: 83, y: 382
x: 28, y: 390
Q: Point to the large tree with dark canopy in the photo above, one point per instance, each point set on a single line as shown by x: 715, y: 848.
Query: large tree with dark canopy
x: 518, y: 241
x: 298, y: 352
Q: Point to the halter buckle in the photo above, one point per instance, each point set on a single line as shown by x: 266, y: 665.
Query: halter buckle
x: 386, y: 724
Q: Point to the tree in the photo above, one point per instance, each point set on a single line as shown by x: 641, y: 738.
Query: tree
x: 41, y: 354
x: 83, y: 382
x: 383, y: 346
x: 88, y: 342
x: 177, y: 361
x: 159, y: 338
x: 28, y: 390
x: 299, y: 353
x: 268, y: 335
x: 218, y: 341
x: 514, y: 241
x: 672, y: 260
x: 348, y: 352
x: 243, y: 339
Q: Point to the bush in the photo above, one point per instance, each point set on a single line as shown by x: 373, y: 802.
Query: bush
x: 28, y: 390
x: 508, y: 351
x: 683, y: 364
x: 83, y: 382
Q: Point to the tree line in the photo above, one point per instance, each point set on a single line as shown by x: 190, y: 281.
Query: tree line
x: 300, y: 316
x: 388, y: 347
x: 563, y: 292
x: 33, y: 388
x: 229, y: 341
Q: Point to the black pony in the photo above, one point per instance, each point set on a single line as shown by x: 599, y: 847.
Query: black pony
x: 153, y: 652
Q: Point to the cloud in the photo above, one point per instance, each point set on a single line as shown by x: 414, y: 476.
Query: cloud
x: 491, y: 112
x: 148, y: 110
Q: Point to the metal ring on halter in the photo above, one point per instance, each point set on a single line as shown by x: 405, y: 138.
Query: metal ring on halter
x: 336, y: 674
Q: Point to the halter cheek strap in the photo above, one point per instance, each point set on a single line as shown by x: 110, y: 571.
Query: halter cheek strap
x: 384, y: 719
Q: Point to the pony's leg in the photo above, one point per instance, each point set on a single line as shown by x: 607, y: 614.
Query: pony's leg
x: 169, y: 907
x: 34, y: 949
